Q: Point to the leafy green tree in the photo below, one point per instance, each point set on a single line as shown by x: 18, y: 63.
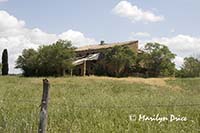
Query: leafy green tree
x: 190, y: 68
x: 118, y: 60
x: 28, y: 62
x: 56, y: 58
x: 157, y: 60
x: 5, y: 67
x: 49, y: 60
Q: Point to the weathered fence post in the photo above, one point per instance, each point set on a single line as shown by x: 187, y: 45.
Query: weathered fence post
x: 44, y: 104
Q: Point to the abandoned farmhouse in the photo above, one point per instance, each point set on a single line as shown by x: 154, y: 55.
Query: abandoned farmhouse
x: 88, y: 56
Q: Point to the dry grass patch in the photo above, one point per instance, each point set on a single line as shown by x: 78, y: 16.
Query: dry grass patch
x: 158, y: 82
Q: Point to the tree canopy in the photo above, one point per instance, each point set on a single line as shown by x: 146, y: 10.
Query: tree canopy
x: 117, y: 61
x: 48, y: 60
x: 190, y: 68
x: 5, y: 67
x: 157, y: 59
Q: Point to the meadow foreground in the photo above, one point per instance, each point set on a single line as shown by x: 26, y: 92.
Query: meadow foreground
x: 100, y: 104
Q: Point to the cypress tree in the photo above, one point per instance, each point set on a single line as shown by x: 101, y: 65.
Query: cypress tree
x: 5, y: 62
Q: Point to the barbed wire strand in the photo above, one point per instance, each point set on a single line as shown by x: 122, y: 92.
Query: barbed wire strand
x: 97, y: 106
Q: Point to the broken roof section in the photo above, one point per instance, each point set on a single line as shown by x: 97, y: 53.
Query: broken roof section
x: 88, y: 58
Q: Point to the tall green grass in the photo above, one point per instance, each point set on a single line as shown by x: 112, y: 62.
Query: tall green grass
x: 93, y: 105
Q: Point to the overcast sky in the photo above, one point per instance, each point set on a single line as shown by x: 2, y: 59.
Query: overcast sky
x: 31, y: 23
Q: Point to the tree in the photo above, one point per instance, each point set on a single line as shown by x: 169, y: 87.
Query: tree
x: 48, y: 60
x: 28, y: 62
x: 190, y: 67
x: 56, y: 58
x: 117, y: 61
x: 5, y: 68
x: 157, y: 59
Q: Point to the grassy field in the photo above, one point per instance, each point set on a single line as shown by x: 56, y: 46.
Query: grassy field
x: 100, y: 104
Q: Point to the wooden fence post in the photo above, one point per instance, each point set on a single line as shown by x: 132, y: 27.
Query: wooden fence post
x: 44, y: 104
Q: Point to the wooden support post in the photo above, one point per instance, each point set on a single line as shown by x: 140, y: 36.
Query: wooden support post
x: 63, y: 72
x: 71, y: 72
x: 44, y: 104
x: 84, y: 68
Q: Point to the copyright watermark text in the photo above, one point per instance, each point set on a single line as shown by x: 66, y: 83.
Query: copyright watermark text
x: 157, y: 118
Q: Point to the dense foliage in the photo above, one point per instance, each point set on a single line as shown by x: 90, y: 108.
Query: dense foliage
x: 5, y: 67
x: 48, y: 60
x: 116, y: 61
x: 157, y: 60
x: 190, y: 68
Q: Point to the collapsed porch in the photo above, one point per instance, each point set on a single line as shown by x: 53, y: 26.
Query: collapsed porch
x: 85, y: 65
